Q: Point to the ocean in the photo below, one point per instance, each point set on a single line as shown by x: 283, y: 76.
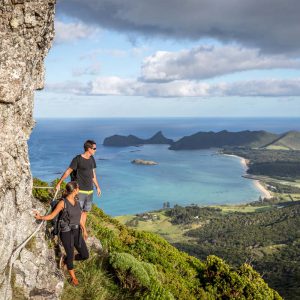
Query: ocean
x: 181, y: 177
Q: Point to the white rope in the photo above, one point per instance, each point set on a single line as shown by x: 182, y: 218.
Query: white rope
x: 43, y: 187
x: 16, y: 252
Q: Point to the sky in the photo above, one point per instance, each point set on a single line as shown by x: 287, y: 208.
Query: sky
x: 173, y: 58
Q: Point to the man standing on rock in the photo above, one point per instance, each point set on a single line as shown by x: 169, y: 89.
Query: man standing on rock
x: 83, y: 170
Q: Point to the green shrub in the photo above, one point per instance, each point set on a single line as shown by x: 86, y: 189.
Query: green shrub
x: 131, y: 273
x: 158, y: 293
x: 46, y: 195
x: 43, y: 195
x: 139, y: 276
x: 223, y: 282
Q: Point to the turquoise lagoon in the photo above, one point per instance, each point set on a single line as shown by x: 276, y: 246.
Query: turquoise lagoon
x: 201, y: 177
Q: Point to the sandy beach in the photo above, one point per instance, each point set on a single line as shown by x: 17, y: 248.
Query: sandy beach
x: 265, y: 192
x: 257, y: 183
x: 244, y: 161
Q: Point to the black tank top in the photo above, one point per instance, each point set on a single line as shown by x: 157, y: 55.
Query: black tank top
x: 74, y: 212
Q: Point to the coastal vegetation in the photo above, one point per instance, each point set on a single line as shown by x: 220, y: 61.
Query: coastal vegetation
x: 267, y: 237
x: 141, y: 265
x: 274, y: 163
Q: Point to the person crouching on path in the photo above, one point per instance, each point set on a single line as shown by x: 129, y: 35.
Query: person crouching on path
x: 71, y: 228
x: 83, y: 169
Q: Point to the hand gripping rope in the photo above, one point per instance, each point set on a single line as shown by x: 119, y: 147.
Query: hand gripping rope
x: 17, y: 251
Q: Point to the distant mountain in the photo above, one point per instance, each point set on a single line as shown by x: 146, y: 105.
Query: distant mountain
x: 288, y: 141
x: 206, y: 140
x: 131, y: 140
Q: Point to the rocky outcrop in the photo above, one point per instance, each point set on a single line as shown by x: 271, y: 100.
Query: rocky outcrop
x: 144, y: 162
x: 26, y: 33
x: 132, y: 140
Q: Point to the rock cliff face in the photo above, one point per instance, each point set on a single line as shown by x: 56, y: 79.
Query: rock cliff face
x: 26, y: 33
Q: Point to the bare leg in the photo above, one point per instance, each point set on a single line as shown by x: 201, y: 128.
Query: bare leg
x: 73, y: 277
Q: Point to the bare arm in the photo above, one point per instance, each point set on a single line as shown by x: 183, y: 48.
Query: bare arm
x: 96, y: 182
x: 63, y: 177
x: 59, y: 207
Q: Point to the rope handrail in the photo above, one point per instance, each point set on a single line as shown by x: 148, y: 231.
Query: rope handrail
x: 43, y: 187
x: 17, y: 250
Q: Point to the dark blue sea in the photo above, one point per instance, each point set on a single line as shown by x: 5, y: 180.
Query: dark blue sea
x: 181, y: 177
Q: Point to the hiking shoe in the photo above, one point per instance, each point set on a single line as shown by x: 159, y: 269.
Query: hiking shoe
x: 74, y: 282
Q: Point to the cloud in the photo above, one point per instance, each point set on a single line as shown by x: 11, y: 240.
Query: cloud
x: 271, y: 25
x: 209, y: 61
x: 262, y: 88
x: 93, y: 69
x: 180, y: 88
x: 68, y: 87
x: 113, y: 86
x: 70, y: 32
x: 119, y: 53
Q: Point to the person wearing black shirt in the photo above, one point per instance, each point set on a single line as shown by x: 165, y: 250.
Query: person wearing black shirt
x: 82, y: 169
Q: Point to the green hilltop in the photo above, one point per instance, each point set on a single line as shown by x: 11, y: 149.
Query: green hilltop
x: 288, y: 141
x: 205, y: 140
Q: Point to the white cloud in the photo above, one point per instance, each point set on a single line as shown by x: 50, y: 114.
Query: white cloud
x: 264, y: 88
x: 180, y: 88
x: 113, y: 86
x: 68, y: 87
x: 93, y: 69
x: 70, y: 32
x: 119, y: 53
x: 209, y: 61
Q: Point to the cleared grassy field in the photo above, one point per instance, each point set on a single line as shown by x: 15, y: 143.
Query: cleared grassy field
x: 277, y: 147
x: 245, y: 208
x: 162, y: 226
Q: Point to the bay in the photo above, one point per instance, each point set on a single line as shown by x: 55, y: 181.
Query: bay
x: 181, y: 177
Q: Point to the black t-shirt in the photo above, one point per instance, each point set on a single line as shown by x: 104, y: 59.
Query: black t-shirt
x: 84, y: 174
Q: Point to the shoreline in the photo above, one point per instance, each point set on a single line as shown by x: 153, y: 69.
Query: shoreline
x: 266, y: 193
x: 258, y: 184
x: 244, y: 162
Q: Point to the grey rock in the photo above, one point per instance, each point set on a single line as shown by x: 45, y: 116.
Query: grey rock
x: 94, y: 244
x: 26, y: 33
x: 144, y: 162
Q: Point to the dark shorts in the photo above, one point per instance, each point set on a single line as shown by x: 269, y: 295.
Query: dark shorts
x: 86, y: 201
